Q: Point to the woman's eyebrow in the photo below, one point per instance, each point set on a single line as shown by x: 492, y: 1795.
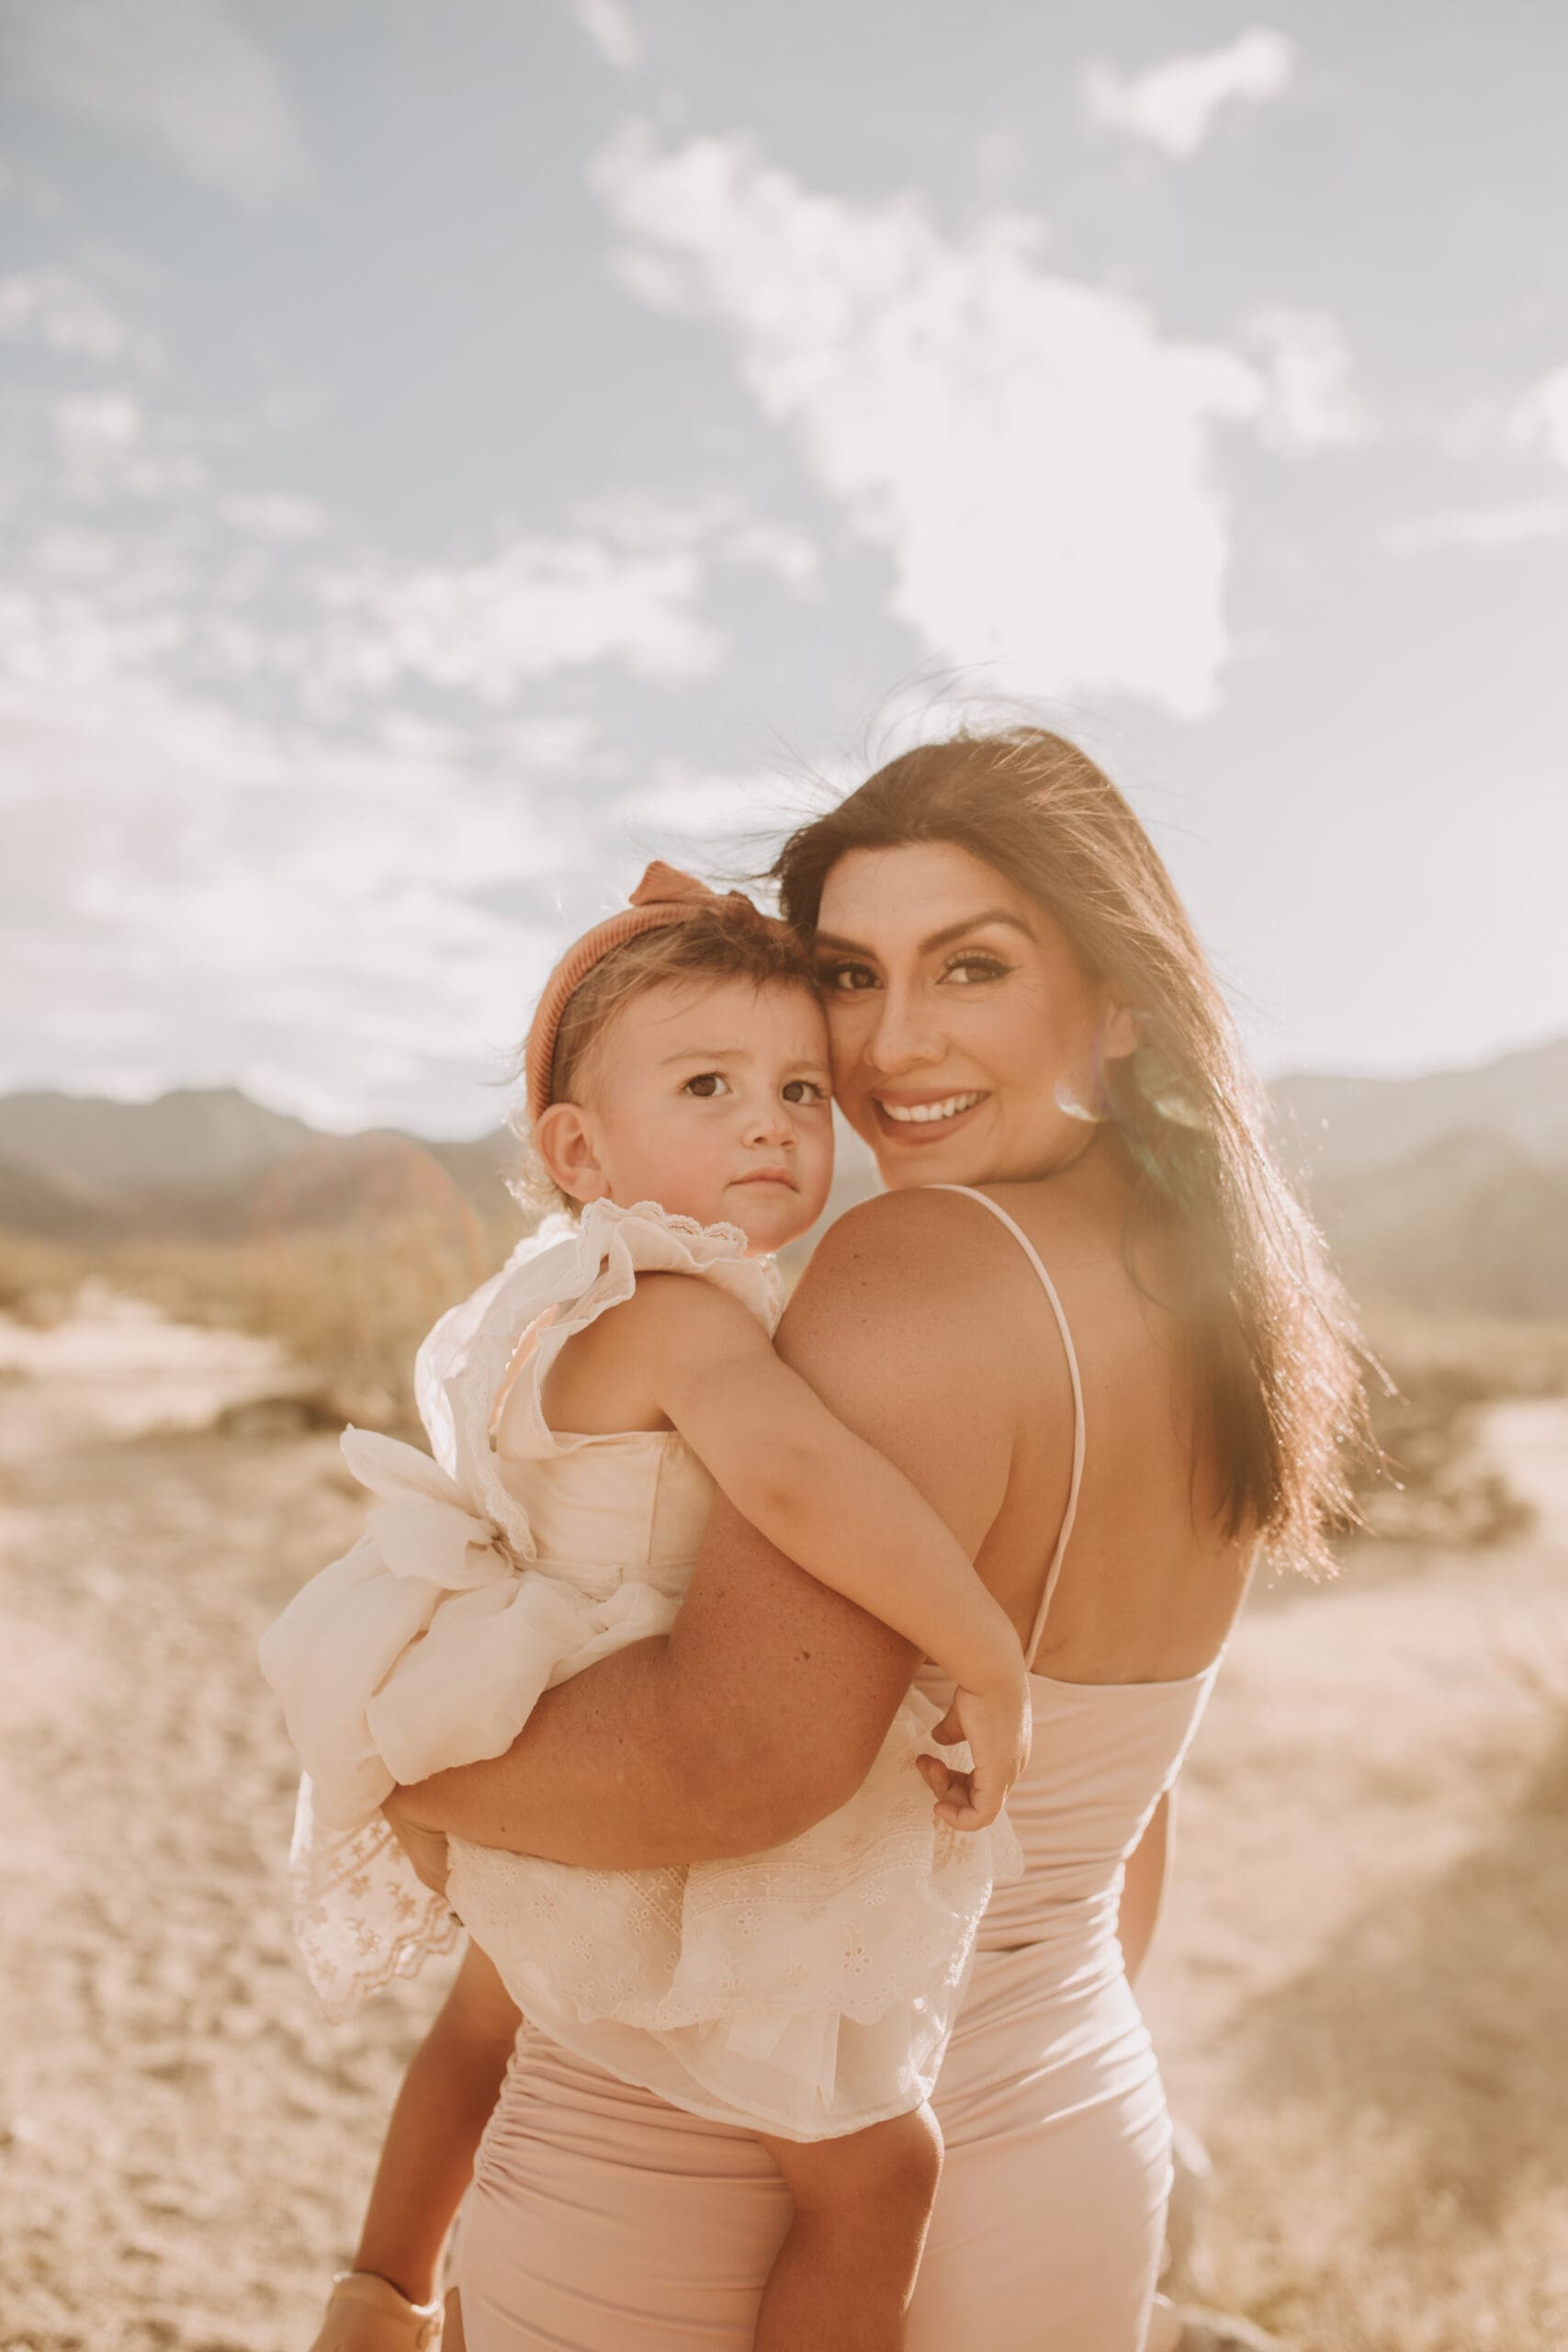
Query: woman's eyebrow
x: 943, y: 938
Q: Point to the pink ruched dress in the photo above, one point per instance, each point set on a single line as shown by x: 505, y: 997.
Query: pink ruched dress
x: 603, y: 2220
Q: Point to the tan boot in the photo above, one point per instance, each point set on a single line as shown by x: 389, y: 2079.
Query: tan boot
x: 366, y: 2313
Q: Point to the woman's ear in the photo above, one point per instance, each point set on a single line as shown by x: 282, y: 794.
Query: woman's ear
x: 567, y: 1146
x: 1119, y: 1034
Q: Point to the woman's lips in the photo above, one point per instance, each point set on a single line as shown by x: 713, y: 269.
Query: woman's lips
x: 909, y: 1131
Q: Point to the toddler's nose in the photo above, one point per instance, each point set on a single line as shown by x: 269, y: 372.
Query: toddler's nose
x: 772, y: 1124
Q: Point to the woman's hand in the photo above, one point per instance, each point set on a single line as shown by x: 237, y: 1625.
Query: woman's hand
x: 426, y: 1849
x: 997, y: 1725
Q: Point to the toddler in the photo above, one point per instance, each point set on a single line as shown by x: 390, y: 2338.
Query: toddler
x: 583, y: 1406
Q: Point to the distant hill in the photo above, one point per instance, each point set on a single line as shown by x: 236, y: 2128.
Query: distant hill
x: 189, y: 1136
x: 1470, y: 1224
x: 1333, y: 1127
x: 1448, y: 1193
x: 48, y: 1209
x: 213, y: 1166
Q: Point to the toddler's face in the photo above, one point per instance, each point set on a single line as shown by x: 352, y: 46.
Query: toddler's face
x: 714, y: 1099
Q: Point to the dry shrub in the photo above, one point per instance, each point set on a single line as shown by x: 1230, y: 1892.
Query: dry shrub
x: 350, y: 1305
x: 1436, y: 1487
x: 38, y: 1280
x: 1395, y: 2143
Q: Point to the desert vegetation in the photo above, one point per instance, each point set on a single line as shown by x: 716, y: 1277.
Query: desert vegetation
x: 1356, y: 1990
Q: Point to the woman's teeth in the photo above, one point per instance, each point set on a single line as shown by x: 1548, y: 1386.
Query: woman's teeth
x: 921, y: 1113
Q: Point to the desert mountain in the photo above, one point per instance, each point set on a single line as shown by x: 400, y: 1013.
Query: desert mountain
x: 1447, y: 1192
x: 214, y: 1166
x: 1333, y: 1127
x: 192, y: 1134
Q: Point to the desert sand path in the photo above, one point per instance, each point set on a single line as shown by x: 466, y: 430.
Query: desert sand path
x: 1358, y: 1990
x: 183, y: 2141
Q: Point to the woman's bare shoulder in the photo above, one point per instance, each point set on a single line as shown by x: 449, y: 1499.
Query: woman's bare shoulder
x: 926, y: 1225
x: 901, y: 1268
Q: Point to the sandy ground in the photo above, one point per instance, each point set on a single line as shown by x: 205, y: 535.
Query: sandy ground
x: 1359, y: 1992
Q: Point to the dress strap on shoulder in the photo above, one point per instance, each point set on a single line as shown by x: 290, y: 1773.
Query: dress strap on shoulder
x: 1049, y: 1287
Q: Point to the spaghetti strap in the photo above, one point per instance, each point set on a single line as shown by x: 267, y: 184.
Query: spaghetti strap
x: 1030, y: 1251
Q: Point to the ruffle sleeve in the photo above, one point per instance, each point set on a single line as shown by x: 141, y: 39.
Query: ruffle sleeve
x: 597, y: 1270
x: 427, y: 1645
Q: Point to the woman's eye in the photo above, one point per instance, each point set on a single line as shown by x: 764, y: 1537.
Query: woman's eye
x: 804, y: 1090
x: 709, y: 1083
x: 977, y: 967
x: 847, y: 979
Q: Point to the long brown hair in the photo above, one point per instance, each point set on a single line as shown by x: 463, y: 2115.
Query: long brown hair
x: 1271, y: 1338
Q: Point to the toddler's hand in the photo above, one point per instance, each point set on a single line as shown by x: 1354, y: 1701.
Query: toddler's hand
x: 998, y: 1726
x: 366, y: 2313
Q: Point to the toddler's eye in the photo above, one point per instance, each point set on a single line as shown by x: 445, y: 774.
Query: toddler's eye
x: 804, y: 1090
x: 706, y: 1085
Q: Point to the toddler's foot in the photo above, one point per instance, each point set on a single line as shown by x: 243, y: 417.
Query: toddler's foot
x: 1222, y: 2331
x: 366, y: 2313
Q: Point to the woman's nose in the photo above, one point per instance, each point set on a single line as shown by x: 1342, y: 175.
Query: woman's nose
x: 903, y: 1039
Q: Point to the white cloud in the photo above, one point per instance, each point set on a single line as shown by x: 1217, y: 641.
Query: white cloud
x: 1540, y: 420
x: 1306, y: 363
x: 711, y: 820
x: 96, y: 430
x: 181, y: 75
x: 63, y: 314
x: 625, y: 585
x: 538, y: 606
x: 1477, y: 527
x: 351, y: 916
x: 190, y: 897
x: 611, y: 30
x: 1174, y: 106
x: 273, y: 514
x: 720, y: 526
x: 105, y: 449
x: 1031, y: 453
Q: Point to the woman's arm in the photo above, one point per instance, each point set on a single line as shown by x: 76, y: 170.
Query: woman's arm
x: 1143, y: 1886
x: 763, y: 1710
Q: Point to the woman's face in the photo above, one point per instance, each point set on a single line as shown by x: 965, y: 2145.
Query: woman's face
x: 957, y: 1014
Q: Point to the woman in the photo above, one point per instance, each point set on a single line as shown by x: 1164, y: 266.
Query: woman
x: 1114, y: 1371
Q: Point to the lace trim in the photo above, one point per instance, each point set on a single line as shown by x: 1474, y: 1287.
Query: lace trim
x: 360, y: 1916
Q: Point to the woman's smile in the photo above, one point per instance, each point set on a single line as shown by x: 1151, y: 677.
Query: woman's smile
x: 924, y: 1118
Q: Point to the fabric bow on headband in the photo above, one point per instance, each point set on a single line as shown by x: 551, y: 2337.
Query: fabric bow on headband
x: 664, y: 896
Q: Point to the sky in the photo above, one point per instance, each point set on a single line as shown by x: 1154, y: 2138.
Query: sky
x: 450, y: 454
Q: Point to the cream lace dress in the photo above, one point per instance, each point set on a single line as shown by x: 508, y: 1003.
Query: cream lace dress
x: 808, y: 1991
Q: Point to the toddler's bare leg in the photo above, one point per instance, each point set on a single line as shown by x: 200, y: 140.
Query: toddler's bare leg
x: 427, y: 2158
x: 846, y: 2271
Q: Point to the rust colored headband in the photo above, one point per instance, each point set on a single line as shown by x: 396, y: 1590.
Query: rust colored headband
x: 664, y: 897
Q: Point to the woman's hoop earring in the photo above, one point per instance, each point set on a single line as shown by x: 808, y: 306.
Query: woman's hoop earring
x: 1092, y: 1106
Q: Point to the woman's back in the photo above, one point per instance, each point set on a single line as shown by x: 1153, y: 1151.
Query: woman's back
x: 1050, y: 2101
x: 1150, y: 1584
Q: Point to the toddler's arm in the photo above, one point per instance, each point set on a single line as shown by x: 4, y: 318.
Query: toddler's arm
x: 842, y: 1511
x: 427, y: 2158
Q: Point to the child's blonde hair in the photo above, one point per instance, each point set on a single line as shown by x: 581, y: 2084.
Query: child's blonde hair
x: 721, y: 939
